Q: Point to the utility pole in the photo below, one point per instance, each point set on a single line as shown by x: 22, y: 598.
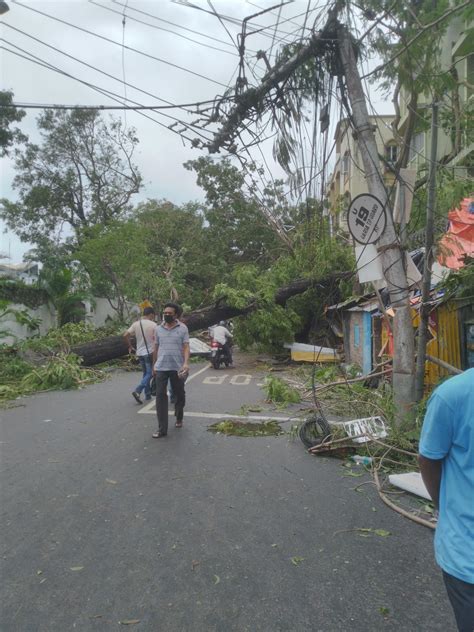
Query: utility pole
x: 429, y: 240
x: 388, y: 246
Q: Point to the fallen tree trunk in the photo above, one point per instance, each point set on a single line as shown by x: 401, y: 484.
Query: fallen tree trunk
x: 113, y: 347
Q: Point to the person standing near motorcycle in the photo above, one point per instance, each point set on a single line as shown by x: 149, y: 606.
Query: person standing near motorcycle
x: 143, y: 330
x: 222, y: 335
x: 170, y: 362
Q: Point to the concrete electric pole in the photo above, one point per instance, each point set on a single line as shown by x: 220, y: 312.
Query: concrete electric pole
x: 388, y: 245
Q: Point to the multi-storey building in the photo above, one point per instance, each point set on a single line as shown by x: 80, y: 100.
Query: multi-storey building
x: 455, y: 149
x: 348, y: 177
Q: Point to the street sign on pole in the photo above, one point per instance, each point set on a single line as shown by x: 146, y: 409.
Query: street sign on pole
x: 366, y: 218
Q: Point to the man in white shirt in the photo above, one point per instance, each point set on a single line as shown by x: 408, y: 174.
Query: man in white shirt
x: 143, y: 330
x: 222, y: 335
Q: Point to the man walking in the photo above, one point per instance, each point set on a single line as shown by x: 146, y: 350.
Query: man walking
x: 143, y: 330
x: 447, y: 467
x: 170, y: 362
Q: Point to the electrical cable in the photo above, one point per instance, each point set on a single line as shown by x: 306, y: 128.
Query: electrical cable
x: 115, y: 97
x: 111, y: 41
x: 123, y: 59
x: 184, y: 28
x: 161, y: 28
x: 102, y: 72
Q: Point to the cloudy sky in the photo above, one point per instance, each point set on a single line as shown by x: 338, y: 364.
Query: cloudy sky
x: 183, y: 54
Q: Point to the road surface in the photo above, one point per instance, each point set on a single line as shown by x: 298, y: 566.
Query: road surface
x: 104, y: 527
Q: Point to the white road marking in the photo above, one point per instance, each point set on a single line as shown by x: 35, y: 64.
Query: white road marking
x: 151, y: 407
x: 215, y: 379
x: 191, y: 377
x: 227, y: 416
x: 246, y: 380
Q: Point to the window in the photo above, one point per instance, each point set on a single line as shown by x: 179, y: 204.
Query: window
x: 417, y: 146
x: 345, y: 165
x: 391, y: 153
x: 356, y: 335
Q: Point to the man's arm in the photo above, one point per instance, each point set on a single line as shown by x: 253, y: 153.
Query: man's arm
x: 126, y: 335
x: 155, y: 357
x: 431, y: 474
x: 186, y: 352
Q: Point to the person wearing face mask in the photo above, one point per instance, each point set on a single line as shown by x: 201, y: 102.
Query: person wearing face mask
x: 170, y: 362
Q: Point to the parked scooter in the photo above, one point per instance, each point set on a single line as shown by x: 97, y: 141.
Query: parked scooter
x: 219, y: 355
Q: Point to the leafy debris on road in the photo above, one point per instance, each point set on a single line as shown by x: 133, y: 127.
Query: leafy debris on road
x: 247, y: 429
x: 217, y: 579
x: 365, y: 532
x: 129, y: 621
x: 297, y: 560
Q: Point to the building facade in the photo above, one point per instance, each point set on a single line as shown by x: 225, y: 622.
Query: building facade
x: 456, y: 146
x: 348, y: 177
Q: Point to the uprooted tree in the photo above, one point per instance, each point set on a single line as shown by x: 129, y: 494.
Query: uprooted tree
x: 112, y: 347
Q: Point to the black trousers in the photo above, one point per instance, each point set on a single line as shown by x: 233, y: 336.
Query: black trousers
x: 461, y: 596
x: 177, y: 385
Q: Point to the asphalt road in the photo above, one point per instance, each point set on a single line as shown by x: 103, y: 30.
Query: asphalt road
x: 102, y: 524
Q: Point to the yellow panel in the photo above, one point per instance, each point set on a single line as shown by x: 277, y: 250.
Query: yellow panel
x: 308, y: 356
x: 445, y: 344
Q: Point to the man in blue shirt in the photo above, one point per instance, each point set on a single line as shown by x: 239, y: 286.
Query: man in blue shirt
x: 447, y: 467
x: 170, y: 362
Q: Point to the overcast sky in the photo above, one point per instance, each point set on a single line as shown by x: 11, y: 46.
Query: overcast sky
x: 161, y: 152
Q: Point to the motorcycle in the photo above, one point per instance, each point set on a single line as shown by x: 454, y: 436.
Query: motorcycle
x: 218, y: 355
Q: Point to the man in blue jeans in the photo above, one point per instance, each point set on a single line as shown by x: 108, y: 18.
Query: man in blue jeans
x: 447, y: 466
x: 143, y: 330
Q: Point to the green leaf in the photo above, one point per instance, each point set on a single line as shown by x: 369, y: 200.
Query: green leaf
x: 354, y: 474
x: 297, y: 560
x: 382, y: 532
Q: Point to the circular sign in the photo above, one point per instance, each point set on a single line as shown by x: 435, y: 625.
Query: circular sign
x: 366, y: 218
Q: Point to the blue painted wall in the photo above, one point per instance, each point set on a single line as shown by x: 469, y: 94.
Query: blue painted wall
x: 367, y: 343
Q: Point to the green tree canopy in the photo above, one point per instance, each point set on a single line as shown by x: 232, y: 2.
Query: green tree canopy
x: 160, y: 253
x: 243, y: 227
x: 9, y: 114
x: 81, y: 175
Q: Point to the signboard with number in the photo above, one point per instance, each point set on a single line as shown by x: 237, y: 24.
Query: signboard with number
x: 366, y: 218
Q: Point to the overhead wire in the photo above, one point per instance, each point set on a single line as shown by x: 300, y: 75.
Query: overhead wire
x: 161, y: 28
x: 184, y: 28
x: 111, y: 41
x: 114, y: 96
x: 227, y: 18
x: 123, y: 57
x: 223, y: 25
x: 103, y: 72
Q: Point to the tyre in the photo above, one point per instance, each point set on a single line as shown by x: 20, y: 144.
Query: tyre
x: 314, y: 431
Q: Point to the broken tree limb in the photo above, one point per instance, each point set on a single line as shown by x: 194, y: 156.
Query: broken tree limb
x: 113, y: 347
x: 444, y: 365
x: 361, y: 378
x: 251, y: 99
x: 403, y: 512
